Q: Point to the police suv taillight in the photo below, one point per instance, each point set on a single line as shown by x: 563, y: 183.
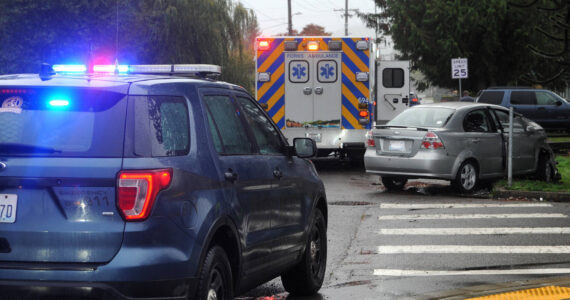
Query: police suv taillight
x: 431, y: 141
x: 137, y: 190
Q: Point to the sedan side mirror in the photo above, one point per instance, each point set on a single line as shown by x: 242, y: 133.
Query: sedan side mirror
x: 305, y: 147
x: 530, y: 129
x: 558, y: 103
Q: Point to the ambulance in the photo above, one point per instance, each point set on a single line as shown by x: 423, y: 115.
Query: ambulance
x: 318, y: 87
x: 323, y: 88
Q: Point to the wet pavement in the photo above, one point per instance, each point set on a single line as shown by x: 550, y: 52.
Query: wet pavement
x: 427, y: 240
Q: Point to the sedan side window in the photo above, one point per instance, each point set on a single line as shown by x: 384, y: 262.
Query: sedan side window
x: 476, y: 121
x: 518, y: 124
x: 268, y: 139
x: 226, y: 127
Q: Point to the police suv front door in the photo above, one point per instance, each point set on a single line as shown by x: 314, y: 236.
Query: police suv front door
x: 312, y: 94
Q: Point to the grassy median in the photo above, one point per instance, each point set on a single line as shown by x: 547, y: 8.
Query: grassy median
x: 523, y: 184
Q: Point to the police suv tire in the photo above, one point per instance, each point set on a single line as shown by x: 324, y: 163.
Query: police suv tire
x: 394, y: 183
x: 467, y: 177
x: 215, y: 280
x: 544, y: 170
x: 306, y: 278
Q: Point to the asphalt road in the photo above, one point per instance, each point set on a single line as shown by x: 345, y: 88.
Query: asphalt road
x: 426, y: 240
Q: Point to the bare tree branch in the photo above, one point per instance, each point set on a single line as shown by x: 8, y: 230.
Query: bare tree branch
x: 522, y: 5
x: 558, y: 39
x: 544, y: 81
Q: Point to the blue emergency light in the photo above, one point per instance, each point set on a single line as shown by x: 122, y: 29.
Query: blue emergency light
x: 58, y: 103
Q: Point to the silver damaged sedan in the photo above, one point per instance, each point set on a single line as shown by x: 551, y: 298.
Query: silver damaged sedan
x: 458, y: 141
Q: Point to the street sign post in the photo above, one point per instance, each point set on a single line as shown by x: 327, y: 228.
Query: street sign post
x: 459, y: 70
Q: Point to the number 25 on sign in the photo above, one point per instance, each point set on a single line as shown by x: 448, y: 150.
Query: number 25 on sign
x: 459, y: 68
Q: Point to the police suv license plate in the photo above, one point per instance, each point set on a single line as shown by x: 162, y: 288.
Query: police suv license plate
x: 8, y: 205
x: 397, y: 146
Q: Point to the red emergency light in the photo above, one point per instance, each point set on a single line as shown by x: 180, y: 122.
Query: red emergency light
x: 263, y: 45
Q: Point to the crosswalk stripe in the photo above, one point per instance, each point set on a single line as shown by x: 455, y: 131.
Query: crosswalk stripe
x: 460, y: 205
x: 397, y: 272
x: 475, y: 231
x: 470, y: 216
x: 464, y: 249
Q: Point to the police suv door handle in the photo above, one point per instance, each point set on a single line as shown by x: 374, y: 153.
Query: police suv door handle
x: 277, y: 173
x: 230, y: 175
x: 319, y: 90
x: 307, y: 90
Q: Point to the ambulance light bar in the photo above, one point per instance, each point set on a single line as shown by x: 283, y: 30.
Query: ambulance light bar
x: 361, y: 76
x: 362, y: 45
x: 313, y: 45
x: 335, y: 45
x: 263, y: 76
x: 290, y: 45
x: 263, y: 45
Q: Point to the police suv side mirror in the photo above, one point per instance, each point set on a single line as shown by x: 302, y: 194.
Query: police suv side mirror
x: 304, y: 147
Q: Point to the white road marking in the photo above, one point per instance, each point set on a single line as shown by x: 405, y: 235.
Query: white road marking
x: 475, y: 231
x: 399, y: 273
x: 462, y: 249
x: 470, y: 216
x: 460, y: 205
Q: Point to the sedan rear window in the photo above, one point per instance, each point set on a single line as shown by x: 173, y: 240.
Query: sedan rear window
x: 432, y: 117
x: 61, y: 122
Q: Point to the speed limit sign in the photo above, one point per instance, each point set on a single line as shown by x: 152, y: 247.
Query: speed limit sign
x: 459, y: 68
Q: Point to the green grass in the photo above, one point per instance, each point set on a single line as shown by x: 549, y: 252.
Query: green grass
x: 523, y: 184
x: 559, y: 139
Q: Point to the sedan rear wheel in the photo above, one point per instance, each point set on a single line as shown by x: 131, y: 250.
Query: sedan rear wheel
x: 545, y: 171
x: 467, y: 178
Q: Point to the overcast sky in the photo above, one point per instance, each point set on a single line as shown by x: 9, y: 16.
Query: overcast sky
x: 272, y: 15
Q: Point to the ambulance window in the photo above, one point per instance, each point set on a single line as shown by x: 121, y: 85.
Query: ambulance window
x: 393, y: 78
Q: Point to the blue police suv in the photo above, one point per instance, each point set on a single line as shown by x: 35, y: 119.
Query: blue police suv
x: 140, y: 183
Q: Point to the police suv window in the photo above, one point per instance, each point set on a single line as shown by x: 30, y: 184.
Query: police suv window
x: 393, y: 78
x: 523, y: 98
x: 491, y: 97
x: 266, y: 135
x: 226, y: 127
x: 162, y: 127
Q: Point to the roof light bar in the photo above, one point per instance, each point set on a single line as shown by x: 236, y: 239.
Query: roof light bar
x: 110, y: 68
x: 70, y: 68
x: 197, y: 69
x: 150, y: 69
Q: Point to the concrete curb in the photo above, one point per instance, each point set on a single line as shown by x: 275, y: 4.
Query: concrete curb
x: 546, y: 196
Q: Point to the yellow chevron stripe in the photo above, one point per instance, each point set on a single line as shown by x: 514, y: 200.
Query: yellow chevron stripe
x: 278, y: 73
x: 354, y: 58
x: 279, y: 115
x: 278, y: 94
x: 352, y: 77
x: 271, y: 59
x: 351, y: 98
x: 350, y: 118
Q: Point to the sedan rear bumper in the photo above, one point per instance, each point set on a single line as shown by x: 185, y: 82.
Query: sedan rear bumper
x: 425, y: 164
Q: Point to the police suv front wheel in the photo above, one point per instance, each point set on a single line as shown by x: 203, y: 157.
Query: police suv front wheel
x: 306, y: 278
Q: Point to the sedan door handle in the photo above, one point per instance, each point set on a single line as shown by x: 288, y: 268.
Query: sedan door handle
x: 230, y: 175
x: 277, y: 173
x: 475, y: 140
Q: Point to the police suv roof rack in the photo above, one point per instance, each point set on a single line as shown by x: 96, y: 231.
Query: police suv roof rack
x: 191, y: 70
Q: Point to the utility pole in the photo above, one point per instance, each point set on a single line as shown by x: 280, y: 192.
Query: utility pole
x: 290, y: 29
x: 346, y: 15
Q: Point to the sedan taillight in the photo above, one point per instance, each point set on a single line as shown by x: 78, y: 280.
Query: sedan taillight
x: 432, y: 141
x: 137, y: 190
x: 370, y: 139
